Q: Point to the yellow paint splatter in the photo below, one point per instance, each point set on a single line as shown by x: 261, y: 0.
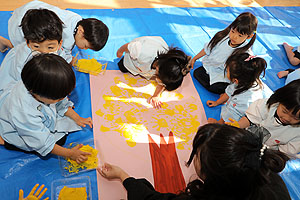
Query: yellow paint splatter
x: 99, y: 112
x: 193, y: 107
x: 90, y: 163
x: 104, y: 129
x: 109, y: 117
x: 71, y: 193
x: 180, y: 108
x: 91, y: 66
x: 131, y: 80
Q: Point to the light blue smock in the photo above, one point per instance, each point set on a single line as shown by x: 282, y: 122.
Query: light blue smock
x: 292, y: 76
x: 31, y: 125
x: 13, y: 63
x: 237, y: 105
x: 70, y: 20
x: 214, y: 61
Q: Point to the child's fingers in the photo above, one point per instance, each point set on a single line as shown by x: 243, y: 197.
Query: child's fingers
x: 21, y: 194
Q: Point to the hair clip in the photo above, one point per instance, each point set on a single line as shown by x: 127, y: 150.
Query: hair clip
x: 250, y: 58
x: 254, y: 32
x: 262, y: 151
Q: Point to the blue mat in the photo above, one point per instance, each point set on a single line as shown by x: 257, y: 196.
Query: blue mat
x: 187, y: 28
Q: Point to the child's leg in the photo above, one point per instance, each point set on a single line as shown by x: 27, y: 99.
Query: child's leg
x: 290, y: 54
x: 201, y: 76
x: 284, y: 73
x: 4, y: 44
x: 218, y: 88
x: 121, y: 66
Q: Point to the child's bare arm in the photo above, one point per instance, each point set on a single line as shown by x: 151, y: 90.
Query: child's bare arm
x: 154, y: 100
x: 223, y: 98
x: 74, y: 153
x: 122, y: 49
x: 199, y: 55
x: 80, y: 121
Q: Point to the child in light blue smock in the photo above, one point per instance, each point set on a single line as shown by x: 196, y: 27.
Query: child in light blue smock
x: 43, y: 33
x: 87, y: 33
x: 231, y: 40
x: 243, y: 70
x: 36, y: 115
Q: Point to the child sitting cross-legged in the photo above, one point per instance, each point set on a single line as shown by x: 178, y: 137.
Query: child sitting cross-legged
x: 35, y: 114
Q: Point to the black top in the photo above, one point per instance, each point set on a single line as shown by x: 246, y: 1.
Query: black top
x: 141, y: 189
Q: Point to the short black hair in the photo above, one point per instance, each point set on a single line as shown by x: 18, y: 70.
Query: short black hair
x: 172, y: 67
x: 39, y: 25
x: 48, y: 76
x: 289, y: 96
x: 95, y: 32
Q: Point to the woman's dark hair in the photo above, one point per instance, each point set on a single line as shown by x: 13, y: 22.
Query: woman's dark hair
x: 246, y: 70
x: 95, y: 32
x: 231, y: 163
x: 245, y: 23
x: 289, y: 96
x: 48, y: 76
x: 39, y: 25
x: 173, y: 66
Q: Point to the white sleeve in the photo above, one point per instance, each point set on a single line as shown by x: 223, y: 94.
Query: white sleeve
x: 257, y: 111
x: 134, y: 49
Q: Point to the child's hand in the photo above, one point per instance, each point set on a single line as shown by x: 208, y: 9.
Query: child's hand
x: 193, y: 62
x: 80, y: 121
x: 212, y: 103
x: 79, y: 156
x: 119, y: 53
x: 155, y: 102
x: 233, y: 123
x: 34, y: 195
x: 109, y: 172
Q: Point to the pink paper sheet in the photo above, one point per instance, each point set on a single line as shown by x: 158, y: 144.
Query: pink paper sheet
x: 123, y: 120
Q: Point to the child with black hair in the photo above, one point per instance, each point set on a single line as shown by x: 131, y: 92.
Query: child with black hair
x: 87, y: 33
x: 231, y: 40
x: 280, y: 116
x: 36, y: 115
x: 151, y: 58
x: 243, y: 70
x: 231, y: 163
x: 43, y: 36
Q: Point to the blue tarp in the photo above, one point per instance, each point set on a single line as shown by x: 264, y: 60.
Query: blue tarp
x: 187, y: 28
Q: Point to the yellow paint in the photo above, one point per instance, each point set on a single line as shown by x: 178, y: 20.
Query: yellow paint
x: 104, y: 129
x: 99, y: 112
x: 70, y: 193
x: 90, y: 163
x: 125, y: 113
x: 91, y: 66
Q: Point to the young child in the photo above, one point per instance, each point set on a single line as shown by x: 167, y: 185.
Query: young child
x: 243, y: 70
x: 280, y: 116
x: 44, y: 35
x: 293, y: 55
x: 231, y: 40
x: 151, y: 58
x: 87, y: 33
x: 36, y: 115
x: 231, y: 163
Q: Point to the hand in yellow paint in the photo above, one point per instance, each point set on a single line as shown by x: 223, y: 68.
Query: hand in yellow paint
x: 34, y: 195
x: 77, y: 155
x: 233, y: 123
x: 155, y: 102
x: 111, y: 172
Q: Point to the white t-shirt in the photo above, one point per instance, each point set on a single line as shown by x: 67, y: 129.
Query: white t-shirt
x: 283, y: 138
x: 141, y: 53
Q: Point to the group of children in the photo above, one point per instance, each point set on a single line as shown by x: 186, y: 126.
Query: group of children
x: 36, y: 77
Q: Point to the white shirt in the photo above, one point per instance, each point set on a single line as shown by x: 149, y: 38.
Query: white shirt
x: 141, y: 53
x: 284, y: 138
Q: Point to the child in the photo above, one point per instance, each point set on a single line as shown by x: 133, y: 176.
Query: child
x: 35, y: 114
x: 151, y: 58
x: 44, y: 35
x: 231, y: 163
x: 243, y: 70
x: 87, y: 33
x: 280, y: 115
x: 231, y: 40
x: 293, y: 55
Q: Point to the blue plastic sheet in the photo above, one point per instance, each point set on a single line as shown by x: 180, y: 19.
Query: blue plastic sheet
x: 187, y: 28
